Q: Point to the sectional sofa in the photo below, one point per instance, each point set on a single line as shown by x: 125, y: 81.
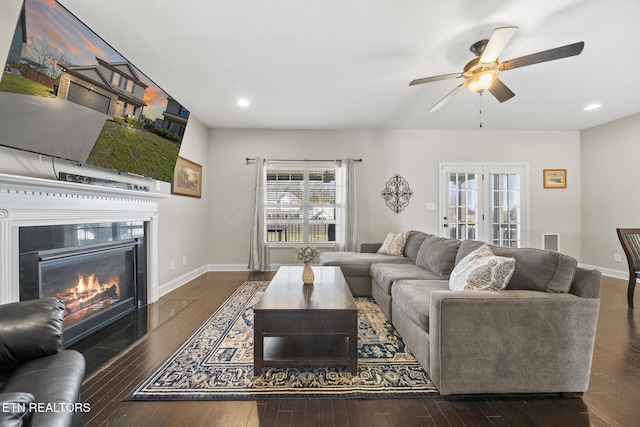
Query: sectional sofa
x: 534, y: 336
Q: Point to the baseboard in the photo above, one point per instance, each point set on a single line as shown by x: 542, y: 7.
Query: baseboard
x: 618, y: 274
x: 176, y: 283
x: 179, y: 281
x: 227, y: 267
x: 239, y: 267
x: 185, y: 278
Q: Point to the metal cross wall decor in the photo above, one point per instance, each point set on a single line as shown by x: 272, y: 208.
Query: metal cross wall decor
x: 397, y: 193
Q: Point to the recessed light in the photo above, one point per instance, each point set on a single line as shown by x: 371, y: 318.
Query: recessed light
x: 591, y: 107
x: 243, y: 103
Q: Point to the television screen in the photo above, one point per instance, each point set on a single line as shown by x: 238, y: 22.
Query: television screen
x: 66, y: 93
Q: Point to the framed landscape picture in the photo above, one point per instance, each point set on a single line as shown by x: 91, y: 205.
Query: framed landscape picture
x: 187, y: 178
x: 555, y: 178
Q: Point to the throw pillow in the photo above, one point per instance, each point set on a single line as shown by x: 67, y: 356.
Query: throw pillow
x: 438, y: 255
x: 482, y: 270
x: 394, y: 244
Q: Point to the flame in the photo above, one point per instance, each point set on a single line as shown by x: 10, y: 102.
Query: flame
x: 87, y: 287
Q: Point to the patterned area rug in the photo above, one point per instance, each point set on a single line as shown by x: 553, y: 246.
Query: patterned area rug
x: 216, y: 362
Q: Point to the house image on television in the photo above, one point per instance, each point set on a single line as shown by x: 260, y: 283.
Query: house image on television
x: 175, y: 117
x: 112, y: 88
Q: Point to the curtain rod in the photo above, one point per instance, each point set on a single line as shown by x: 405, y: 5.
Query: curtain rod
x: 252, y: 161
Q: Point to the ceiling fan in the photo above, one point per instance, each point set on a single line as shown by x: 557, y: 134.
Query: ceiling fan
x: 482, y: 72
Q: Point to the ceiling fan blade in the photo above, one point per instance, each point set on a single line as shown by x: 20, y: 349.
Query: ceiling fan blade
x: 501, y: 91
x: 435, y: 78
x: 544, y: 56
x: 498, y: 41
x: 444, y: 100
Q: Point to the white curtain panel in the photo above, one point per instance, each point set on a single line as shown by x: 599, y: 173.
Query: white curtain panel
x: 259, y: 252
x: 348, y: 242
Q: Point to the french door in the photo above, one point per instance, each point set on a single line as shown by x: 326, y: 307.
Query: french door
x: 485, y: 202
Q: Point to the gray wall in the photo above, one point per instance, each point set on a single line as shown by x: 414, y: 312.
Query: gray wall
x: 413, y: 154
x: 610, y: 190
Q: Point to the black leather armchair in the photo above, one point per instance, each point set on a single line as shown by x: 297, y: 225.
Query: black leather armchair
x: 40, y: 382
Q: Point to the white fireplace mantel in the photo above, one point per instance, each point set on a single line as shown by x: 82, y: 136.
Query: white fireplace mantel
x: 26, y: 201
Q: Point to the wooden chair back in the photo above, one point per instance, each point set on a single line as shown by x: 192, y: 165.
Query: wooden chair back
x: 630, y: 241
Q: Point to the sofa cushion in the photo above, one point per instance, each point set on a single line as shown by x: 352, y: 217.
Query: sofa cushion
x: 413, y: 296
x: 482, y: 270
x: 438, y: 255
x: 394, y: 244
x: 414, y: 241
x: 535, y: 269
x: 386, y: 274
x: 358, y: 264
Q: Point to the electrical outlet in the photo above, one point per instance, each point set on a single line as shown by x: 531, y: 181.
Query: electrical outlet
x: 617, y: 257
x: 173, y: 265
x: 184, y: 260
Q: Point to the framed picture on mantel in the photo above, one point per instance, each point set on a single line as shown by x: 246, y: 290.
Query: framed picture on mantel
x: 187, y: 178
x: 555, y: 178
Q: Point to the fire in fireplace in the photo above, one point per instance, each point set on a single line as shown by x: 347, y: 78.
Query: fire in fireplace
x: 87, y: 296
x: 89, y: 280
x: 98, y: 280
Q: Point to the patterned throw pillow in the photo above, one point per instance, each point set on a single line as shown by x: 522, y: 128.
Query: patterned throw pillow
x: 394, y: 244
x: 482, y: 270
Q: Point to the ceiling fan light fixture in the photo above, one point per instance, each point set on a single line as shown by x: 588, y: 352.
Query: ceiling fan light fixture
x: 481, y: 81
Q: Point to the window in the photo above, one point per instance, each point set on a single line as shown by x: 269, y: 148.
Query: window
x: 485, y: 202
x: 301, y: 202
x: 129, y: 86
x: 175, y: 128
x: 115, y: 79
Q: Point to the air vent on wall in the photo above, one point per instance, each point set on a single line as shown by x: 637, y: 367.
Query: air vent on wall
x: 551, y: 241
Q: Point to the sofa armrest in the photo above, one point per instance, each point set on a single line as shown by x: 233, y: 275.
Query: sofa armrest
x: 369, y: 248
x: 29, y: 330
x: 15, y: 409
x: 511, y: 341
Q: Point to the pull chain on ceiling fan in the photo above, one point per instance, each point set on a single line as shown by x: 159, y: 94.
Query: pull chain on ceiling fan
x: 483, y: 72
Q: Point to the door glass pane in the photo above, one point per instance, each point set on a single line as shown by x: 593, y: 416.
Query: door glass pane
x: 463, y: 205
x: 506, y: 209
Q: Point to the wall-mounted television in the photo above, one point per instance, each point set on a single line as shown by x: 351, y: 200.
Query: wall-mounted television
x: 66, y: 93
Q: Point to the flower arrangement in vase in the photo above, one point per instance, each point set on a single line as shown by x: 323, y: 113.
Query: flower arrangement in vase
x: 307, y: 254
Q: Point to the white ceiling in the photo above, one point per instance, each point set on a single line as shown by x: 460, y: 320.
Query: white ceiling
x: 347, y: 64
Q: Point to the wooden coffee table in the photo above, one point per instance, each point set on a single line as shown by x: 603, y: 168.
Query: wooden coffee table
x: 306, y: 325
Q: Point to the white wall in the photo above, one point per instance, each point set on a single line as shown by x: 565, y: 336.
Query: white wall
x: 610, y: 182
x: 184, y: 221
x: 415, y: 155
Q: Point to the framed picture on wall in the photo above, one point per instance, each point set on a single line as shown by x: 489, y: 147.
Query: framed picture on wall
x: 187, y: 178
x: 555, y: 178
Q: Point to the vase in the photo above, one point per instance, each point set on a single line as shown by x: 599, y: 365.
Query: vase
x: 307, y: 274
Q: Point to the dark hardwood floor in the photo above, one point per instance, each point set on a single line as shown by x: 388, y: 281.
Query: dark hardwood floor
x: 613, y: 398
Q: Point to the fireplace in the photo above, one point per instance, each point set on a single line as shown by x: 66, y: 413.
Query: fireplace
x: 97, y: 270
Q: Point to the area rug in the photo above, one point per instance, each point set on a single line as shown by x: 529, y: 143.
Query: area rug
x: 216, y: 362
